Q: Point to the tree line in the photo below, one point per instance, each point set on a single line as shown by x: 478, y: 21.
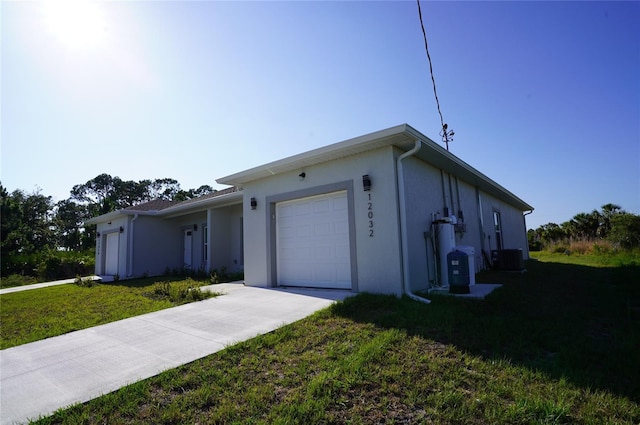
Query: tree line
x: 610, y: 223
x: 32, y: 224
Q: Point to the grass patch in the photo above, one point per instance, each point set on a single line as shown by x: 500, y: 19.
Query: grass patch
x: 555, y: 345
x: 32, y: 315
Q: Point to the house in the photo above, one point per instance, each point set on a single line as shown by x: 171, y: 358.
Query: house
x: 377, y: 213
x: 204, y: 233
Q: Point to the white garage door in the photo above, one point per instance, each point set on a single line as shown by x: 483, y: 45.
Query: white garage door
x: 312, y: 237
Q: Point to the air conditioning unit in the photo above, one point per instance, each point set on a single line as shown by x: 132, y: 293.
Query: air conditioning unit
x: 507, y: 259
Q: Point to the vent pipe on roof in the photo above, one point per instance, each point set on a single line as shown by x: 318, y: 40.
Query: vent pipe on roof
x: 404, y: 248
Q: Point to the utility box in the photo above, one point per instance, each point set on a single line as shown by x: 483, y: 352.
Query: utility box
x: 507, y: 259
x: 458, y: 269
x: 471, y: 252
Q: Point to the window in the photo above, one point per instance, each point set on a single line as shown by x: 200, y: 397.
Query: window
x: 497, y: 223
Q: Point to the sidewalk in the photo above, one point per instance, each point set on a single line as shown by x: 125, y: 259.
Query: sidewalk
x: 40, y: 285
x: 37, y: 379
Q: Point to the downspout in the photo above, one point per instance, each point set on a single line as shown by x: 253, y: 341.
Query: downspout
x: 526, y: 234
x: 481, y: 227
x: 403, y: 225
x: 131, y: 234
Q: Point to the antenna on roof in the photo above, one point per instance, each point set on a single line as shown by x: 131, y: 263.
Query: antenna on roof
x: 447, y: 135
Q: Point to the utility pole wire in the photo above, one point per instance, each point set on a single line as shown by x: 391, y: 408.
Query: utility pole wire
x: 447, y: 136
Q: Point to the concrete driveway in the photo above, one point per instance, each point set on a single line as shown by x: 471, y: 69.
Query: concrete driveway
x: 39, y: 378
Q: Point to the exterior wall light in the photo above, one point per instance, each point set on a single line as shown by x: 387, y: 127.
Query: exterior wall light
x: 98, y: 234
x: 366, y: 183
x: 254, y: 203
x: 195, y: 227
x: 121, y: 229
x: 302, y: 175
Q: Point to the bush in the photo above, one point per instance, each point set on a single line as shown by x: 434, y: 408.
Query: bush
x: 179, y: 292
x: 17, y: 280
x: 86, y: 282
x: 50, y: 265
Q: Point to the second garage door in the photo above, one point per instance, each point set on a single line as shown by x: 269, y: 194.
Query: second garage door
x: 313, y: 247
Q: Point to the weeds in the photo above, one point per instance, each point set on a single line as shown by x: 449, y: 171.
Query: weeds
x: 178, y: 292
x: 86, y: 282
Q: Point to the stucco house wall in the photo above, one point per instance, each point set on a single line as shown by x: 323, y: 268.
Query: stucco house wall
x: 514, y: 235
x: 226, y: 238
x: 155, y: 244
x: 341, y: 174
x: 107, y: 231
x: 312, y: 216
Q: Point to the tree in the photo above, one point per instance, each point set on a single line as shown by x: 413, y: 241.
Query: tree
x: 585, y: 225
x: 165, y: 189
x: 98, y: 194
x: 625, y: 230
x: 69, y: 218
x: 26, y: 222
x: 609, y: 211
x: 194, y: 193
x: 551, y: 232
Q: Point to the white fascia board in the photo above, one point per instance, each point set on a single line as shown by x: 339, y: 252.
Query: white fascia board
x: 445, y: 160
x: 316, y: 156
x: 115, y: 214
x: 403, y: 137
x: 228, y: 199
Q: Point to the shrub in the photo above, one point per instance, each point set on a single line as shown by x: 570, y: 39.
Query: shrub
x: 17, y: 280
x: 50, y: 264
x: 179, y: 292
x: 86, y: 282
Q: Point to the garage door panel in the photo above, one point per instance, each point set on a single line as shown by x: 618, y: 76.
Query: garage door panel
x: 317, y: 252
x: 321, y: 206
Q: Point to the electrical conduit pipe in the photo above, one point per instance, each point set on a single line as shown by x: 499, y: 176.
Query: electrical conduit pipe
x: 403, y: 224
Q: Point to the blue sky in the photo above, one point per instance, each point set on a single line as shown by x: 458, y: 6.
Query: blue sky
x: 544, y: 97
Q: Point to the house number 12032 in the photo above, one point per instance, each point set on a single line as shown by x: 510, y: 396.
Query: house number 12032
x: 370, y: 215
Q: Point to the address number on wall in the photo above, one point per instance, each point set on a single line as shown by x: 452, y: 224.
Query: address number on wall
x: 370, y: 215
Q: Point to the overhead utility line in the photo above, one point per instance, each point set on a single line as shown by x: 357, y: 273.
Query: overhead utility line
x: 447, y: 135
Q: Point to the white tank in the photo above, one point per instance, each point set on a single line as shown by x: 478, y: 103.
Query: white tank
x: 471, y: 252
x: 446, y: 238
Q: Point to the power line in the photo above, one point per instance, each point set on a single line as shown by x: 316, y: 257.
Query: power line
x: 447, y: 135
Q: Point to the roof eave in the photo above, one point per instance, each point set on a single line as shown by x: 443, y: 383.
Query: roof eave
x: 228, y: 199
x: 316, y: 156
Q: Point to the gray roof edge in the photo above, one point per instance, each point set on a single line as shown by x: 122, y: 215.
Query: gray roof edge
x: 175, y: 209
x: 220, y: 199
x: 268, y: 169
x: 452, y: 162
x: 490, y: 186
x: 109, y: 216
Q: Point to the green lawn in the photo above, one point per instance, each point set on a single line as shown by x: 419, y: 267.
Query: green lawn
x: 36, y: 314
x: 558, y: 344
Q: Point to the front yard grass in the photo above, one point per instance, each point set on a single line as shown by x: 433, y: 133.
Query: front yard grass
x: 36, y: 314
x: 558, y: 344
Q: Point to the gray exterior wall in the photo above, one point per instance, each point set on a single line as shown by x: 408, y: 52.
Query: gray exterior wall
x: 112, y: 227
x: 155, y: 246
x: 187, y: 222
x: 427, y: 192
x: 151, y: 244
x: 226, y: 246
x: 514, y: 234
x: 375, y: 256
